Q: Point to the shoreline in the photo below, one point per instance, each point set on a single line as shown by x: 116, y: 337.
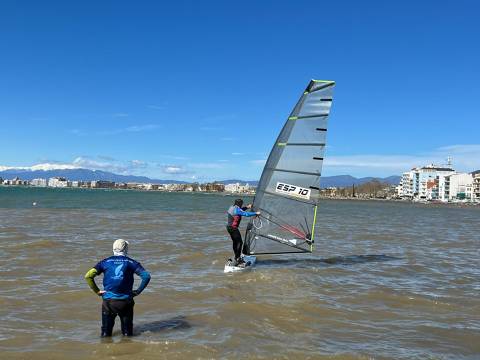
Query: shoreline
x: 341, y: 198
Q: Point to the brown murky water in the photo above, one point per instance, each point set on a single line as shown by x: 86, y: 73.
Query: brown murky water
x: 387, y: 281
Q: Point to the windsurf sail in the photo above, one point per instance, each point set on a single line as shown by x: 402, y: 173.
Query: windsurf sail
x: 288, y: 192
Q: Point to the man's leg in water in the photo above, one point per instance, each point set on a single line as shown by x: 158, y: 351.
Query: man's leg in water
x: 124, y: 310
x: 126, y: 317
x: 108, y: 319
x: 237, y: 243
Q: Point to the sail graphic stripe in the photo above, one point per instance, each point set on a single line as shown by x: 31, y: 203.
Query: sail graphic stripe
x: 307, y: 117
x: 301, y: 144
x: 322, y: 87
x: 296, y: 172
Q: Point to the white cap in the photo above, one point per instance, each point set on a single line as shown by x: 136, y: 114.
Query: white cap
x: 120, y: 246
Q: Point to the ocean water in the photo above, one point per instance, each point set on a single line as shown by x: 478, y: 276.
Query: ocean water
x: 387, y: 280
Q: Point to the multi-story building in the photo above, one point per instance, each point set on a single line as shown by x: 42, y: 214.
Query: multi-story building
x: 39, y: 182
x: 237, y: 188
x: 476, y: 185
x: 405, y: 189
x: 424, y: 182
x: 57, y: 182
x: 460, y: 187
x: 102, y: 184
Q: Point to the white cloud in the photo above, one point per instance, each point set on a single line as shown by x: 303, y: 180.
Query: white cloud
x: 77, y: 132
x: 174, y: 157
x: 138, y: 128
x: 465, y: 158
x: 156, y: 107
x: 259, y: 162
x: 238, y: 154
x: 175, y: 169
x: 44, y: 166
x: 120, y: 114
x: 206, y: 165
x: 99, y: 164
x: 210, y: 128
x: 130, y: 129
x: 219, y: 118
x: 138, y: 164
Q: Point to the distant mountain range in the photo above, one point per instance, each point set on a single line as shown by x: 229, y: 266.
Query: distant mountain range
x: 347, y: 180
x: 81, y: 175
x: 90, y: 175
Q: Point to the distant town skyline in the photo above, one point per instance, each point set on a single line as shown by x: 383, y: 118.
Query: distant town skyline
x: 199, y: 91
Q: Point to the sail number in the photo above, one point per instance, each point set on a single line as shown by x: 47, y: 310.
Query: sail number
x: 293, y: 190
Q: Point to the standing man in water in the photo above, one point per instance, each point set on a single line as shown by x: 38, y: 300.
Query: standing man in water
x: 234, y: 216
x: 117, y: 295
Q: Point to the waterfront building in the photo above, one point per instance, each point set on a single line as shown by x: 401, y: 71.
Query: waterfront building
x: 405, y: 189
x: 121, y: 185
x: 424, y: 183
x: 214, y: 187
x: 102, y: 184
x: 460, y: 187
x: 133, y: 185
x: 476, y: 185
x: 39, y: 182
x: 237, y: 188
x: 57, y: 182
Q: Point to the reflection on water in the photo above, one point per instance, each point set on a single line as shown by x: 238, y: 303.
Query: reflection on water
x: 337, y: 260
x: 176, y: 323
x: 387, y: 281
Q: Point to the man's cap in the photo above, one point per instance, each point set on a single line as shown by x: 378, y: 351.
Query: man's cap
x: 120, y: 245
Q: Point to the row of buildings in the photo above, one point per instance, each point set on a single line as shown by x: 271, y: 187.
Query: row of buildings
x: 439, y: 183
x: 61, y: 182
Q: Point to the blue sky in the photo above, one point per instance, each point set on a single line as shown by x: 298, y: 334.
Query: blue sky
x: 200, y: 90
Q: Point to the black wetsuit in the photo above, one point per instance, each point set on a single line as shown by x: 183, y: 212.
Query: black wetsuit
x: 124, y: 310
x: 234, y: 216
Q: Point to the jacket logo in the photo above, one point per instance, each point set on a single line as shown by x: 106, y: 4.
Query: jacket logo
x: 118, y: 272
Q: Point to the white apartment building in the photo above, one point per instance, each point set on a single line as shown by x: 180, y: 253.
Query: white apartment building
x: 459, y: 187
x: 405, y: 189
x: 57, y: 182
x: 39, y: 182
x: 237, y: 188
x: 476, y: 186
x: 423, y: 182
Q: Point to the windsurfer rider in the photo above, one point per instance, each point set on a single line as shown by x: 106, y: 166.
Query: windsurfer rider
x: 118, y: 283
x: 234, y: 216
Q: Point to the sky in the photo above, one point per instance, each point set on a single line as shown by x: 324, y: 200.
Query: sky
x: 200, y: 89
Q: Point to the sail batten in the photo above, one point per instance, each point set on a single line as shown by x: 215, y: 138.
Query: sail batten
x: 288, y: 190
x: 302, y: 144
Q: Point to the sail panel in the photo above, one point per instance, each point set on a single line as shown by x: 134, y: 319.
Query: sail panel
x: 301, y: 158
x: 305, y: 131
x: 288, y: 190
x: 279, y: 229
x: 313, y: 104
